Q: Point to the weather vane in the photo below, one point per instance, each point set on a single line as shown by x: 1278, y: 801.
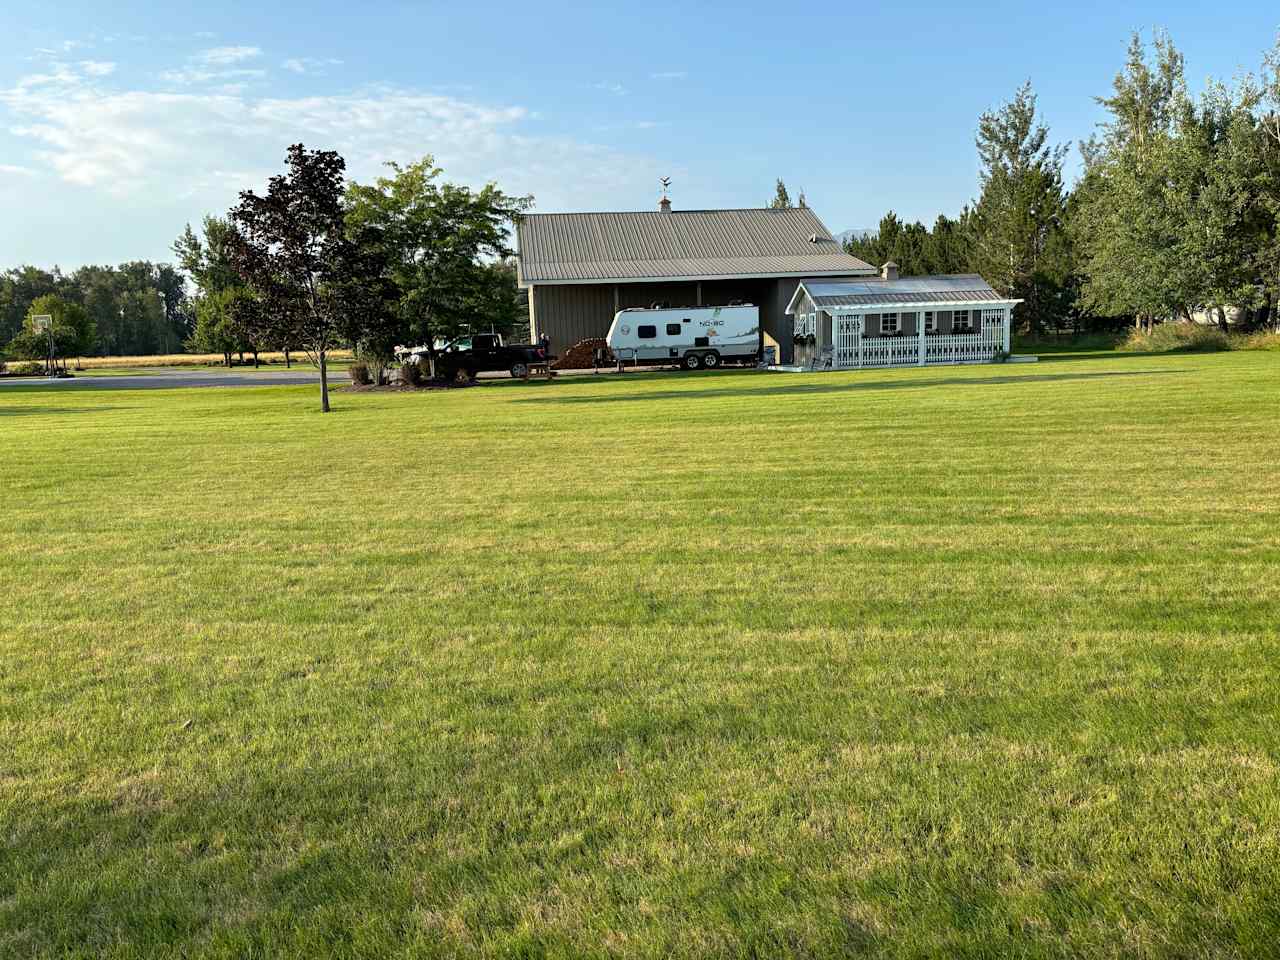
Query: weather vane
x: 666, y: 183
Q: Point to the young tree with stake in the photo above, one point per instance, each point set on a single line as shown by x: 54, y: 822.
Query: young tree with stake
x: 317, y: 284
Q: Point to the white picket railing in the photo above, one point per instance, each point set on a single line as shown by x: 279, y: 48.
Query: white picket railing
x: 852, y: 349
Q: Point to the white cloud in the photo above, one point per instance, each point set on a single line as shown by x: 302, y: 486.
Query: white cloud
x: 669, y: 75
x: 195, y: 148
x: 97, y: 68
x: 310, y: 64
x: 616, y: 89
x: 196, y: 75
x: 224, y: 56
x: 205, y: 34
x: 9, y: 169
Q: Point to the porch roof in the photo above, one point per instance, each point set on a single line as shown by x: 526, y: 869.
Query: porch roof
x: 872, y: 292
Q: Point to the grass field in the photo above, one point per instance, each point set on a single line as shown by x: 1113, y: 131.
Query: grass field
x: 972, y: 661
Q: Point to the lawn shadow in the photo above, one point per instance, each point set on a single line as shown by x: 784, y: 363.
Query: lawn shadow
x: 815, y: 389
x: 26, y: 411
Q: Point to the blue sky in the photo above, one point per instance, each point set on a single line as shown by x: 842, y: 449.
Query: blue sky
x: 120, y: 122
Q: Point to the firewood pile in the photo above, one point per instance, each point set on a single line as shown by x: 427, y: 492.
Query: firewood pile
x: 582, y: 355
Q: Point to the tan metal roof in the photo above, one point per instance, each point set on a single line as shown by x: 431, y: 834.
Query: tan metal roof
x: 569, y: 247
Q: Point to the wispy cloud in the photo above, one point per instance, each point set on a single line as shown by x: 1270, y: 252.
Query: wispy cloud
x: 97, y: 68
x: 225, y: 56
x: 191, y: 76
x: 10, y: 169
x: 205, y: 144
x: 608, y: 86
x: 310, y: 64
x: 669, y: 75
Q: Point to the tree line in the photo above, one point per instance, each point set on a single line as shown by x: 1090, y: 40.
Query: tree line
x: 136, y: 308
x: 1176, y: 214
x: 314, y: 262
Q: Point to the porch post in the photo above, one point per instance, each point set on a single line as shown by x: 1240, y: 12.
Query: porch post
x: 920, y: 336
x: 1008, y: 311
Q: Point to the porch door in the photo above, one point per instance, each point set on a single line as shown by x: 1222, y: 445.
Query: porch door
x: 846, y: 337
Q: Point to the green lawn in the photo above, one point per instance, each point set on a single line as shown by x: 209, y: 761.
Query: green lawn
x: 975, y: 661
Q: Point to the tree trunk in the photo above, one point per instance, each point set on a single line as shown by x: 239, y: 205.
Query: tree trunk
x: 287, y: 365
x: 242, y: 358
x: 226, y: 358
x: 255, y: 358
x: 324, y: 383
x: 1222, y: 319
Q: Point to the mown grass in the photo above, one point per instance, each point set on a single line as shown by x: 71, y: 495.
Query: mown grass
x: 951, y: 661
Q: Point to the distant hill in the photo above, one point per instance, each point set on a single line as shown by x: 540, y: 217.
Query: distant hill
x: 845, y: 236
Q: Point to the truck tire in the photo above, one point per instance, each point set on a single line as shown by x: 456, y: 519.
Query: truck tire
x: 711, y: 360
x: 463, y: 376
x: 520, y: 371
x: 692, y: 361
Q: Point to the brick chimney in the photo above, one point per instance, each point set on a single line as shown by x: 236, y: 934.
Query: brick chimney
x: 664, y: 205
x: 889, y: 271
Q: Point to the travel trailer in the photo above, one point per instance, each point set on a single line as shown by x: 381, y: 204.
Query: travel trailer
x: 695, y: 337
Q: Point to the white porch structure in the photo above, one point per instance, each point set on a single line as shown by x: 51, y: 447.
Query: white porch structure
x: 851, y: 348
x: 915, y: 321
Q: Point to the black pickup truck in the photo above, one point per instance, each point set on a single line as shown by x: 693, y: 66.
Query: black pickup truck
x: 463, y: 358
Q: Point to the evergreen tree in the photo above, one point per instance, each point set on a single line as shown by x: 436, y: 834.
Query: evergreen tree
x: 781, y: 198
x: 1018, y: 220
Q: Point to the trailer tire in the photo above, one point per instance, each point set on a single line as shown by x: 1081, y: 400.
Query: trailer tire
x: 710, y: 360
x: 692, y: 361
x: 520, y: 371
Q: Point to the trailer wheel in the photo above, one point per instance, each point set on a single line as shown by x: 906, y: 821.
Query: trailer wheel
x: 711, y: 360
x: 520, y: 371
x: 692, y: 361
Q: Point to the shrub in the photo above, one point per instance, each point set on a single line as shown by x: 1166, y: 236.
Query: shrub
x: 424, y: 370
x: 25, y: 368
x: 360, y: 373
x: 1264, y: 340
x: 410, y: 374
x: 1180, y: 337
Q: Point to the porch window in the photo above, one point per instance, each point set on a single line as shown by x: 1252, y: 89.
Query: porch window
x: 930, y: 324
x: 960, y: 322
x: 888, y: 323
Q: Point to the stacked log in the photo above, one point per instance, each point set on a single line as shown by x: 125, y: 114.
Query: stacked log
x: 582, y: 355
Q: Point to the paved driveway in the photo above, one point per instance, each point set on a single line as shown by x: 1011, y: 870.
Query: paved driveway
x: 168, y: 379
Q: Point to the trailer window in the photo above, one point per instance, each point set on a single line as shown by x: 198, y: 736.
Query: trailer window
x: 647, y: 332
x: 673, y: 329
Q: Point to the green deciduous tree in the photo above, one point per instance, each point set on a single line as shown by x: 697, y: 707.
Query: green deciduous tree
x: 1125, y: 228
x: 71, y: 327
x: 438, y: 238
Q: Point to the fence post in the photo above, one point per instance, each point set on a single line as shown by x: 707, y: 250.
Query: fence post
x: 1008, y: 311
x: 920, y: 336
